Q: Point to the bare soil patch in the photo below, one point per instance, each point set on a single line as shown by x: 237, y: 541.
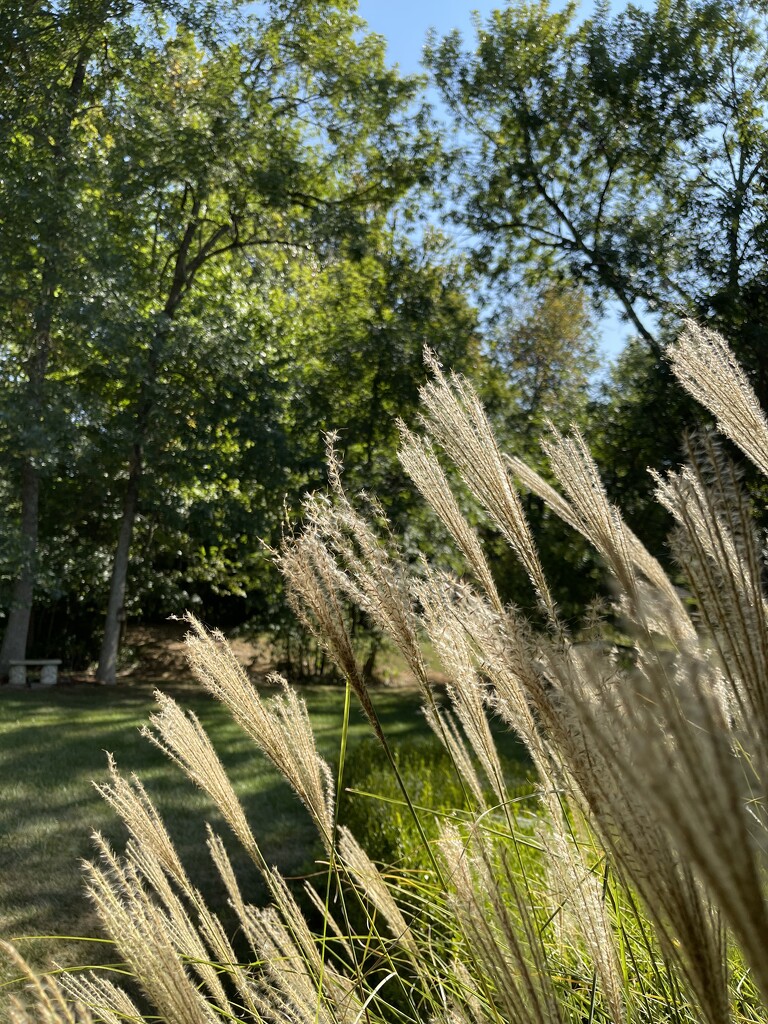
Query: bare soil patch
x: 156, y: 653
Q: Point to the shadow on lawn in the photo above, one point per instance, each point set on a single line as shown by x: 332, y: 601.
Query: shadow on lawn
x: 52, y: 745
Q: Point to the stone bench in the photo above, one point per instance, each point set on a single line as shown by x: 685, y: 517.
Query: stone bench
x: 49, y: 671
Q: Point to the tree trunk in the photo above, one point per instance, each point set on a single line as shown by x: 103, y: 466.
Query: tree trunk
x: 17, y: 628
x: 107, y: 670
x: 183, y: 275
x: 14, y: 646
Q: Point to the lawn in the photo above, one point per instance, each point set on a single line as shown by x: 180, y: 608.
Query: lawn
x: 52, y: 745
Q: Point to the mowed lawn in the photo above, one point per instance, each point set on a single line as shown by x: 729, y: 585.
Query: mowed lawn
x: 52, y: 745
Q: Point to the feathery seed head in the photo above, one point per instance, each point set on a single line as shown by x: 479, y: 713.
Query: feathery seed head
x: 706, y: 367
x: 455, y: 418
x: 279, y: 726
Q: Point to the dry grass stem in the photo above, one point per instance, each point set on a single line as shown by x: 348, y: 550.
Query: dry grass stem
x: 145, y: 937
x: 465, y: 689
x: 504, y: 654
x: 578, y: 894
x: 107, y: 1001
x: 600, y: 522
x: 592, y: 727
x: 44, y: 1001
x: 370, y: 882
x: 369, y: 572
x: 497, y: 921
x: 677, y: 619
x: 227, y: 874
x: 134, y: 807
x: 312, y: 580
x: 717, y: 543
x: 444, y: 726
x: 418, y: 459
x: 181, y: 737
x: 304, y: 988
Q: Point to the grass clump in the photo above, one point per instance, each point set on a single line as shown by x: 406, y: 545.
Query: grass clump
x: 375, y: 812
x: 636, y: 892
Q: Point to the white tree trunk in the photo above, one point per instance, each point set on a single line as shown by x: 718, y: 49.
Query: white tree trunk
x: 110, y: 647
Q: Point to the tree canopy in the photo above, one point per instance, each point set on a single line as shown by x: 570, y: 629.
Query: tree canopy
x: 219, y: 239
x: 163, y: 170
x: 625, y: 151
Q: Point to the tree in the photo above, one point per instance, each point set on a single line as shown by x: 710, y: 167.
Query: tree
x: 350, y: 361
x: 628, y: 153
x: 363, y: 327
x: 544, y: 352
x: 55, y: 68
x: 281, y: 140
x: 541, y: 372
x: 205, y: 148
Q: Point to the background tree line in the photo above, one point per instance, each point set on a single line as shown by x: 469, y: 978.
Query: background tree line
x: 218, y: 239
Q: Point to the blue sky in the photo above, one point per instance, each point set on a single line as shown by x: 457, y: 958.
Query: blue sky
x: 405, y: 23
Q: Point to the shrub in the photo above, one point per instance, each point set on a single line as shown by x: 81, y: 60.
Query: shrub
x: 636, y: 894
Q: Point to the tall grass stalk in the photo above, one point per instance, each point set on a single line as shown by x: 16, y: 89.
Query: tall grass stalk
x: 636, y: 892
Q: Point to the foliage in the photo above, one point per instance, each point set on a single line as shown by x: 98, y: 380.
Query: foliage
x: 627, y: 439
x: 262, y: 157
x: 637, y: 892
x: 544, y: 352
x: 49, y: 108
x: 588, y: 144
x: 172, y: 183
x: 374, y: 810
x: 542, y: 362
x: 376, y: 814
